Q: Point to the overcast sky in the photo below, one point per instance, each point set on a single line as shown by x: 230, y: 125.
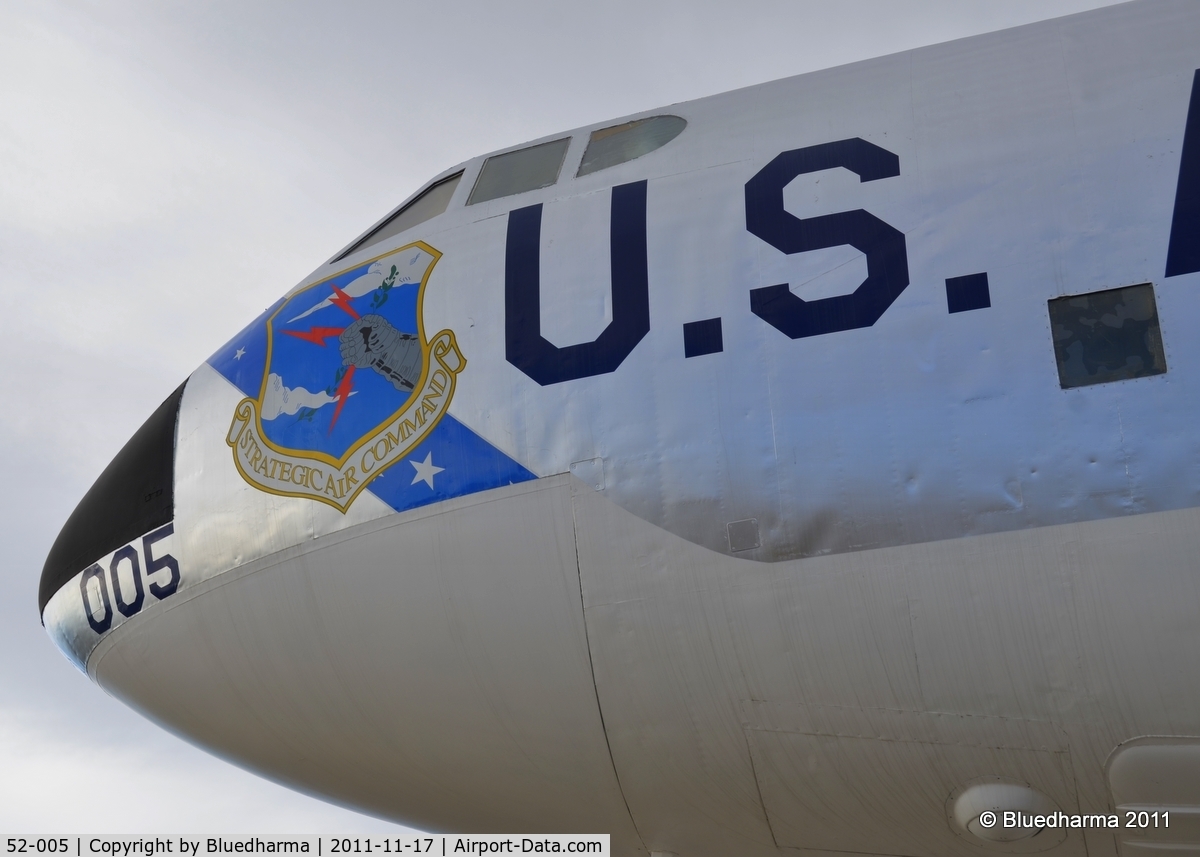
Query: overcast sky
x: 168, y: 169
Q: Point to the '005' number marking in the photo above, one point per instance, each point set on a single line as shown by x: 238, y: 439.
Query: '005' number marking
x: 131, y: 595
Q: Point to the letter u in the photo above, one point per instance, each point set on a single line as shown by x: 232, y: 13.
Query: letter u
x: 532, y: 353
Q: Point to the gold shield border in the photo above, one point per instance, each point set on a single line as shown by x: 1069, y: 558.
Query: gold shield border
x: 295, y: 474
x: 421, y: 411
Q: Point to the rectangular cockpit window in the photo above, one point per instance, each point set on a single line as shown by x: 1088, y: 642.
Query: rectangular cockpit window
x: 429, y: 204
x: 519, y: 171
x: 1107, y: 336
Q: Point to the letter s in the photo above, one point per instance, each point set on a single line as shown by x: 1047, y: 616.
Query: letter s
x: 887, y: 257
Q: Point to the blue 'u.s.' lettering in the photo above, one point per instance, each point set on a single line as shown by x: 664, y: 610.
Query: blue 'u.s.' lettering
x: 766, y: 217
x: 887, y: 265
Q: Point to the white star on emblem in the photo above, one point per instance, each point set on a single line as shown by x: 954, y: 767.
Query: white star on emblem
x: 239, y: 354
x: 425, y: 470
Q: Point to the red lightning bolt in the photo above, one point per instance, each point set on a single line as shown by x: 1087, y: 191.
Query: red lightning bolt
x: 343, y: 300
x: 317, y: 335
x: 343, y: 392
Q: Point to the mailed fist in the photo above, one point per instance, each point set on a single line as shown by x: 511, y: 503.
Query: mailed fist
x: 372, y: 341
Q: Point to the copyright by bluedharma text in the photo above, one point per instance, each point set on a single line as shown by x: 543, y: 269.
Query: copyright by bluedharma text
x: 1128, y: 819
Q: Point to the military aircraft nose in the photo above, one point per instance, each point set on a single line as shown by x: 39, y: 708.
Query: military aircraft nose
x: 133, y: 496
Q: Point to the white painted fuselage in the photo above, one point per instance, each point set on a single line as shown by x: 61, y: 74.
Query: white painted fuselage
x: 740, y: 493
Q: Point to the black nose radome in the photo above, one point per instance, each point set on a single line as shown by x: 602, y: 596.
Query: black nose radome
x: 134, y: 494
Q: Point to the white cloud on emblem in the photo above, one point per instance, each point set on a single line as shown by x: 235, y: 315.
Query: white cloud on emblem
x: 288, y: 400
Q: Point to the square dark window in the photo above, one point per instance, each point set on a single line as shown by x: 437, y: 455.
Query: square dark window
x: 1107, y: 336
x: 702, y: 337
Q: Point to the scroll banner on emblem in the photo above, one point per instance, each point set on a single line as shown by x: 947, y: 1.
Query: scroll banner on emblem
x: 319, y: 477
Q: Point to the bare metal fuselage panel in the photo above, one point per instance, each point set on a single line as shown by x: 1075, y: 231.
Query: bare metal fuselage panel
x: 760, y: 473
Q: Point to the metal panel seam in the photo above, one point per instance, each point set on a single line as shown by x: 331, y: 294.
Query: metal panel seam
x: 587, y: 638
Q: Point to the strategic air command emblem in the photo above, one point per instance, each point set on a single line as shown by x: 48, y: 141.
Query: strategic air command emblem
x: 350, y: 385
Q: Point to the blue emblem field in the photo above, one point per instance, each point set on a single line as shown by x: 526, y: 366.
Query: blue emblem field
x: 315, y: 365
x: 335, y: 362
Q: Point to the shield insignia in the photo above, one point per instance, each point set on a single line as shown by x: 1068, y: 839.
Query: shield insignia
x: 351, y: 383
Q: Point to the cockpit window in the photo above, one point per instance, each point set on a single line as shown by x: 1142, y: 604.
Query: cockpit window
x: 620, y: 143
x: 429, y: 204
x: 519, y: 171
